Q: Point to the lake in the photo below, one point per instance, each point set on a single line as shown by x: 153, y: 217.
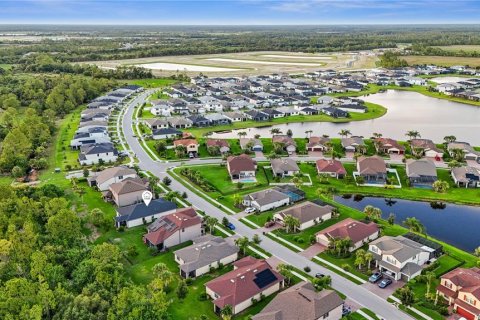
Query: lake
x: 457, y: 225
x: 433, y: 118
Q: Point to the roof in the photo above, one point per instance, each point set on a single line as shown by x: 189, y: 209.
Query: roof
x: 185, y: 142
x: 306, y: 211
x: 419, y: 168
x: 203, y: 253
x: 217, y: 143
x: 461, y: 173
x: 237, y: 164
x: 286, y: 164
x: 165, y: 226
x: 330, y: 165
x: 424, y: 144
x: 468, y: 279
x: 129, y: 185
x: 286, y: 140
x: 352, y: 141
x: 140, y: 210
x: 371, y: 165
x: 400, y: 247
x: 245, y: 141
x: 110, y: 173
x: 162, y: 131
x: 156, y: 122
x: 315, y: 141
x: 250, y: 277
x: 389, y: 143
x: 350, y: 228
x: 96, y: 148
x: 300, y: 302
x: 267, y: 196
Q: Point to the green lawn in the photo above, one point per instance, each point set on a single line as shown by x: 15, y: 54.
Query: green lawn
x: 153, y: 83
x: 340, y: 262
x: 63, y: 155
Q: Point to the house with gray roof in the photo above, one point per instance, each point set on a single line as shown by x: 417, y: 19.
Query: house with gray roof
x: 469, y: 153
x: 155, y: 124
x: 103, y: 179
x: 307, y: 213
x: 421, y: 172
x: 284, y: 167
x: 252, y: 144
x: 205, y: 253
x: 266, y: 199
x: 179, y: 122
x: 139, y: 214
x: 466, y: 177
x: 353, y: 144
x: 97, y: 152
x: 217, y: 119
x: 303, y: 302
x: 399, y: 257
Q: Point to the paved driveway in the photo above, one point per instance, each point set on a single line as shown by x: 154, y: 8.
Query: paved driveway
x: 313, y: 250
x: 383, y: 293
x: 316, y: 154
x: 473, y: 163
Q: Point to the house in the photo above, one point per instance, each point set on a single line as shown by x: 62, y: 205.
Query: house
x: 468, y: 177
x: 352, y: 107
x: 222, y: 145
x: 357, y: 231
x: 217, y: 119
x: 400, y: 257
x: 372, y: 169
x: 388, y: 146
x: 166, y: 133
x: 285, y: 167
x: 427, y: 148
x: 156, y: 124
x: 241, y: 168
x: 173, y: 229
x: 335, y: 112
x: 235, y: 116
x: 318, y: 144
x: 273, y: 114
x: 251, y: 144
x: 303, y: 302
x: 179, y: 123
x: 199, y: 121
x: 308, y: 214
x: 266, y: 199
x: 103, y: 179
x: 205, y: 253
x: 91, y: 135
x: 97, y: 153
x: 421, y: 172
x: 191, y: 145
x: 140, y: 214
x: 467, y: 149
x: 250, y: 280
x: 461, y: 289
x: 127, y: 192
x: 288, y: 143
x: 332, y: 167
x: 353, y: 144
x: 256, y: 115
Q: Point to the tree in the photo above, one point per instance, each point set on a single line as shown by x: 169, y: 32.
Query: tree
x: 291, y: 223
x: 412, y: 134
x: 308, y: 133
x: 184, y: 195
x: 64, y: 227
x: 211, y: 222
x: 256, y: 239
x: 182, y: 290
x: 457, y: 154
x: 298, y: 182
x: 275, y: 131
x: 180, y: 151
x: 153, y: 181
x: 172, y: 195
x: 391, y: 59
x: 359, y: 258
x: 377, y: 135
x: 98, y: 218
x: 241, y: 134
x: 167, y: 181
x: 391, y: 219
x: 237, y: 200
x: 449, y: 139
x: 163, y: 276
x: 440, y: 186
x: 242, y: 243
x: 344, y: 133
x: 430, y: 276
x: 289, y: 133
x: 161, y: 146
x: 406, y: 296
x: 372, y: 213
x: 454, y: 164
x: 368, y: 259
x: 227, y: 312
x: 285, y: 270
x: 322, y: 283
x: 225, y: 222
x: 414, y: 225
x: 86, y: 173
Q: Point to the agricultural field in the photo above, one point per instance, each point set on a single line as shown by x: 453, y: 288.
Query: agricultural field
x: 246, y: 63
x: 442, y: 61
x: 457, y: 48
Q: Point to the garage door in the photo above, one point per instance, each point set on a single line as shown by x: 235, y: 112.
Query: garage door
x: 465, y: 313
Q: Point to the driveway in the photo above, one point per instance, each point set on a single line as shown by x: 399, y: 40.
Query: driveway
x: 397, y: 157
x: 259, y: 154
x: 316, y: 154
x: 383, y: 293
x: 349, y: 155
x: 313, y: 250
x: 473, y: 163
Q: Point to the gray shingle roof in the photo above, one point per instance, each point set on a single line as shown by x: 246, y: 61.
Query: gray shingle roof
x: 140, y: 210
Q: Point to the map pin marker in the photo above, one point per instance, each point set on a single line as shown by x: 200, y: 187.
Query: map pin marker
x: 147, y: 197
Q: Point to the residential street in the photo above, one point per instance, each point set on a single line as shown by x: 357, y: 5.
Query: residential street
x: 359, y: 294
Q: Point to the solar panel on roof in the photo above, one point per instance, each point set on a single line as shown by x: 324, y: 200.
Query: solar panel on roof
x: 264, y: 278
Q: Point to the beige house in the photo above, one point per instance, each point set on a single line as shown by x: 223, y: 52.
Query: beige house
x: 190, y: 144
x: 308, y: 213
x: 103, y: 179
x: 128, y: 191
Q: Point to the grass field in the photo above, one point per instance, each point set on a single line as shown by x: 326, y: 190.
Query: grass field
x: 442, y: 60
x: 457, y: 48
x: 153, y: 83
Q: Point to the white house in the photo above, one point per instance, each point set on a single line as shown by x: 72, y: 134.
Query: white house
x: 140, y: 214
x: 94, y: 153
x: 266, y: 199
x: 307, y: 213
x: 103, y: 179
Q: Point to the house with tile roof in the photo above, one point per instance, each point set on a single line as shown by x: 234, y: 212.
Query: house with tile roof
x: 461, y: 289
x: 357, y: 231
x: 222, y: 145
x: 331, y: 167
x: 250, y: 279
x: 284, y: 167
x: 103, y: 179
x: 318, y: 144
x: 205, y: 253
x: 191, y: 145
x: 127, y: 192
x: 372, y: 169
x: 287, y: 142
x: 307, y: 213
x: 303, y: 302
x: 388, y: 146
x: 173, y: 229
x: 139, y: 213
x: 241, y: 168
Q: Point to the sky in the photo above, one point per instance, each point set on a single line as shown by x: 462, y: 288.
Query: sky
x: 239, y: 12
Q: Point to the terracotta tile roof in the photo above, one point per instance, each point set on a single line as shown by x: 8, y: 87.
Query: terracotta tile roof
x: 243, y: 283
x: 286, y: 140
x: 353, y: 229
x: 467, y: 279
x: 389, y: 143
x: 165, y: 226
x: 185, y: 142
x: 314, y: 141
x: 324, y: 165
x: 237, y: 164
x: 371, y: 165
x: 217, y: 143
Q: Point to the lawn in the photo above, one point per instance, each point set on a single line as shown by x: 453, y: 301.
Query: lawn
x: 341, y: 262
x: 446, y: 61
x: 153, y: 83
x: 461, y: 47
x: 64, y: 156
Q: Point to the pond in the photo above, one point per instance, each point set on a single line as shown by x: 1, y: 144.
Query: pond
x: 457, y: 225
x: 433, y: 118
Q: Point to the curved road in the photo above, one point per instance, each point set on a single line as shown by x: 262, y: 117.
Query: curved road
x: 356, y: 293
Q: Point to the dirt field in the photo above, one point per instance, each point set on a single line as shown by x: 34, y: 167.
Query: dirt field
x: 248, y: 63
x: 443, y: 61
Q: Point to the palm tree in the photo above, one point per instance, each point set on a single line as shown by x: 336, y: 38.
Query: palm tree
x: 414, y: 225
x: 275, y: 131
x: 359, y: 258
x: 241, y: 134
x: 227, y: 312
x: 368, y: 259
x: 372, y: 213
x: 449, y: 139
x: 291, y: 223
x: 285, y: 270
x: 457, y: 154
x: 430, y: 276
x: 344, y: 133
x: 413, y: 134
x: 377, y: 135
x: 211, y: 222
x: 440, y: 186
x: 242, y: 243
x: 172, y: 195
x: 153, y: 181
x: 162, y: 273
x: 297, y: 181
x: 308, y: 133
x: 476, y: 252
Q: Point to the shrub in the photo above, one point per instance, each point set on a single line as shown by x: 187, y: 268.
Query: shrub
x: 346, y: 267
x: 189, y: 281
x: 307, y: 269
x: 203, y: 296
x: 300, y: 240
x: 121, y: 229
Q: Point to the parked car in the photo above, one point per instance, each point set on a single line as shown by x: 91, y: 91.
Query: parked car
x: 250, y: 210
x: 231, y: 226
x: 375, y: 277
x: 346, y: 310
x: 385, y: 283
x: 319, y: 275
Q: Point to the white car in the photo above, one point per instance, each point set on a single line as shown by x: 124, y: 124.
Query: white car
x: 250, y: 210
